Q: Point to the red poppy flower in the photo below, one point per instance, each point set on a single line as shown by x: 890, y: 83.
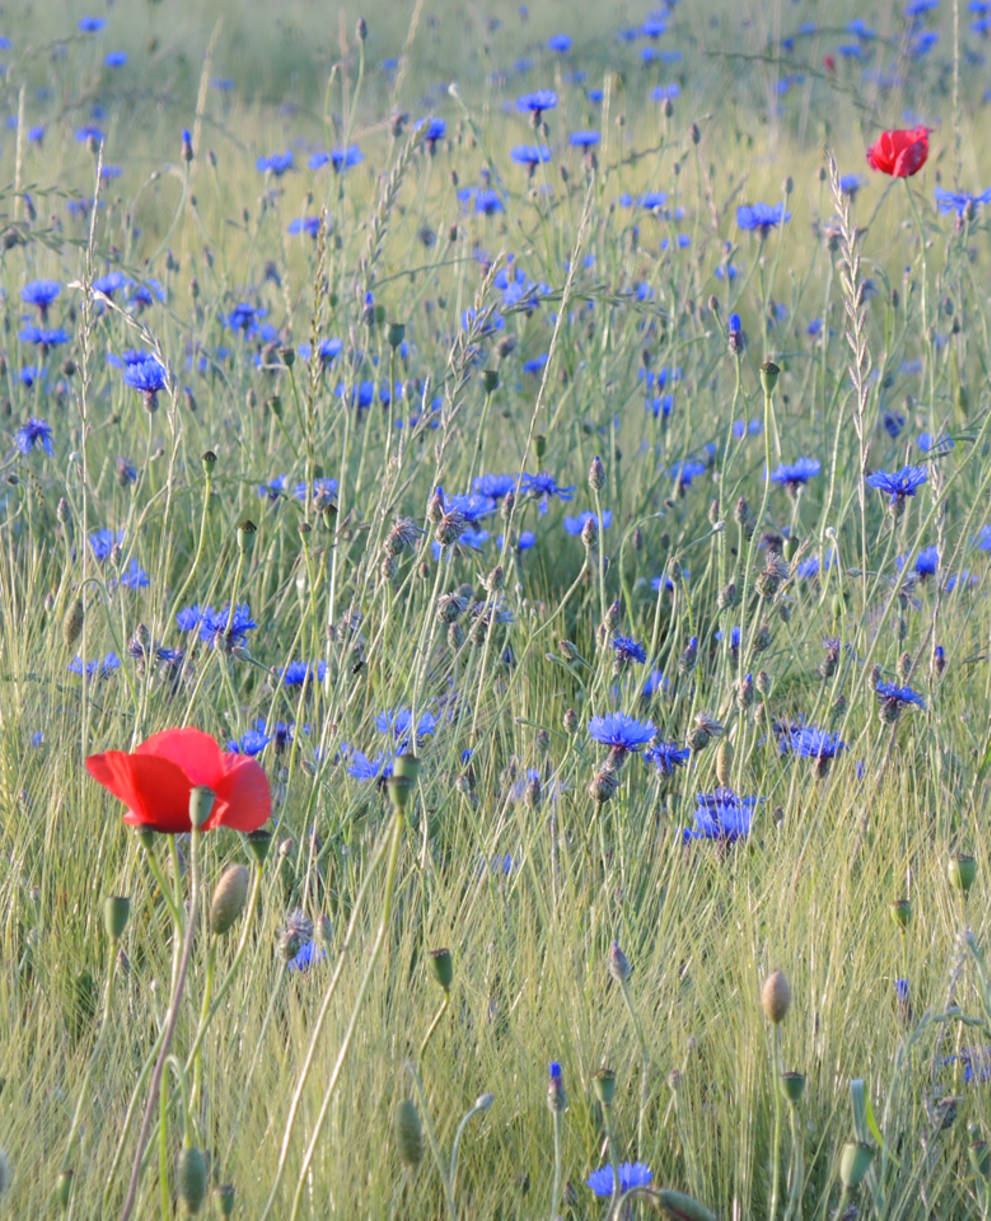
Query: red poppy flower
x: 154, y: 783
x: 900, y: 153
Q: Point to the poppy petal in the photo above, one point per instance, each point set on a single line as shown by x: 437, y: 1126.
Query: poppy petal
x: 196, y: 753
x: 244, y: 800
x: 155, y: 791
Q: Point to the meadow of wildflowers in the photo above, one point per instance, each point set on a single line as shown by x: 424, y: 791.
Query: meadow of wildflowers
x: 495, y: 587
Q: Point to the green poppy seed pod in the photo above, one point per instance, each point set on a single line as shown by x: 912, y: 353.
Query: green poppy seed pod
x: 246, y: 531
x: 683, y: 1208
x: 72, y: 624
x: 409, y: 1136
x: 724, y: 763
x: 855, y: 1161
x: 288, y: 356
x: 793, y: 1087
x: 399, y: 789
x: 63, y: 1188
x: 775, y: 996
x: 259, y: 842
x: 490, y: 380
x: 396, y: 334
x: 443, y: 967
x: 225, y: 1199
x: 201, y: 801
x: 768, y: 376
x: 540, y: 447
x: 116, y: 909
x: 228, y: 900
x: 901, y: 913
x: 962, y: 871
x: 407, y: 766
x: 208, y: 461
x: 604, y: 1083
x: 192, y: 1178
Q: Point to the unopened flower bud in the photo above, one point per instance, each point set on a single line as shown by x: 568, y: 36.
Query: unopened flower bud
x: 855, y: 1161
x: 596, y: 474
x: 192, y: 1179
x: 901, y: 913
x: 570, y: 720
x: 443, y: 967
x: 228, y: 899
x: 619, y: 964
x: 776, y: 996
x: 557, y: 1099
x: 409, y: 1136
x: 724, y: 763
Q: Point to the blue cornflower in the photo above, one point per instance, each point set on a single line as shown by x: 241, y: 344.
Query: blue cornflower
x: 244, y: 316
x: 926, y: 562
x: 91, y: 25
x: 530, y: 154
x: 324, y: 491
x: 488, y: 202
x: 115, y: 59
x: 494, y: 486
x: 307, y: 956
x: 399, y: 721
x: 850, y: 184
x: 584, y: 139
x: 940, y: 444
x: 796, y: 474
x: 893, y: 422
x: 189, y: 617
x: 274, y: 489
x: 44, y: 337
x: 626, y: 650
x: 684, y: 472
x: 31, y: 374
x: 543, y: 486
x: 310, y: 225
x: 103, y: 541
x: 897, y: 697
x: 252, y: 742
x: 110, y: 283
x: 35, y: 434
x: 40, y: 293
x: 666, y: 756
x: 362, y: 768
x: 976, y: 1063
x: 900, y: 484
x: 537, y: 102
x: 811, y: 743
x: 134, y: 576
x: 296, y: 673
x: 959, y: 201
x: 436, y: 129
x: 631, y: 1174
x: 96, y: 667
x: 277, y: 164
x: 623, y: 733
x: 761, y: 216
x: 340, y: 158
x: 216, y: 631
x: 559, y: 42
x: 575, y: 525
x: 721, y: 815
x: 148, y: 376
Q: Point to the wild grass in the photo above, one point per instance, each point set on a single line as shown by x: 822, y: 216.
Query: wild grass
x: 541, y: 338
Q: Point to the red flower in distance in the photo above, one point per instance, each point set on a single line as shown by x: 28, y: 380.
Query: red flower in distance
x: 900, y: 153
x: 155, y: 782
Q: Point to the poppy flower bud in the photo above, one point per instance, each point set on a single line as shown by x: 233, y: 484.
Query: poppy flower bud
x: 775, y: 996
x: 409, y: 1136
x: 962, y: 871
x: 619, y: 964
x: 684, y: 1207
x: 63, y: 1188
x: 557, y: 1099
x: 443, y: 967
x: 192, y: 1179
x: 228, y: 899
x: 201, y: 801
x: 855, y: 1161
x: 116, y: 910
x: 72, y: 624
x: 724, y: 763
